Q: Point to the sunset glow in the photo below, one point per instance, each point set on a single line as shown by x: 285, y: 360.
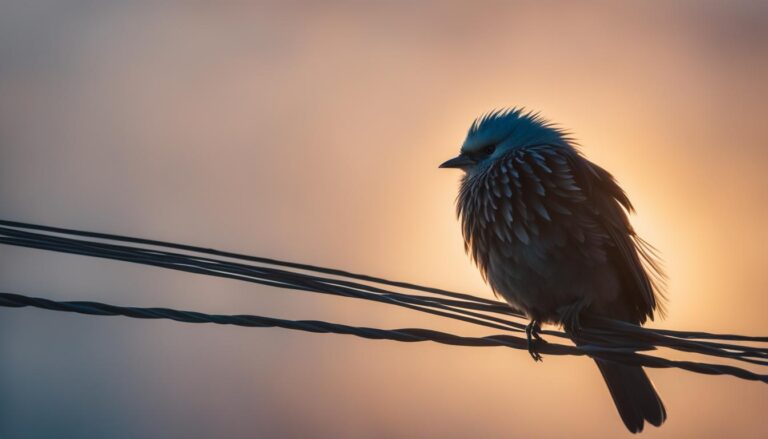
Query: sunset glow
x: 312, y: 132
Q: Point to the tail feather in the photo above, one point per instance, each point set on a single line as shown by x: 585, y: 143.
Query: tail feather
x: 633, y: 394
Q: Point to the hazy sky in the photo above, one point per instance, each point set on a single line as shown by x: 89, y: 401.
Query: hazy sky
x: 312, y: 132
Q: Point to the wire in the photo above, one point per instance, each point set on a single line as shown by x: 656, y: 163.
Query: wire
x: 403, y: 335
x: 605, y: 338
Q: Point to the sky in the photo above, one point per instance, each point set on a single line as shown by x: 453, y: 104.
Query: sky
x: 312, y: 132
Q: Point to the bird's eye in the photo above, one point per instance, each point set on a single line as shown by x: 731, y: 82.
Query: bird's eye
x: 488, y: 150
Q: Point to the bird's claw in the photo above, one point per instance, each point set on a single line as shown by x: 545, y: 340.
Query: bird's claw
x: 571, y: 318
x: 534, y: 338
x: 534, y: 353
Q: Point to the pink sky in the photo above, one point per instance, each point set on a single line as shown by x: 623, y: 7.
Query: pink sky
x: 312, y: 132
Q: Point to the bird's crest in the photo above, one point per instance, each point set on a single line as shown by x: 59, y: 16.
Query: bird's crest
x: 515, y: 125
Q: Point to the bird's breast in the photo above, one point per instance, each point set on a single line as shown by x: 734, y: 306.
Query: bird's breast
x: 526, y: 225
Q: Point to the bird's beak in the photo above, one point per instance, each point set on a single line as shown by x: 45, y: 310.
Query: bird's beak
x: 461, y: 161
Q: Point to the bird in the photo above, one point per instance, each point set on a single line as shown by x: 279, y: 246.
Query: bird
x: 550, y: 233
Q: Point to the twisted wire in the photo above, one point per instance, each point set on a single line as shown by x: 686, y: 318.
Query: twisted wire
x: 403, y: 335
x: 616, y: 340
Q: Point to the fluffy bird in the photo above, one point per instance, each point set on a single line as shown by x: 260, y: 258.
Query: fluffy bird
x: 549, y: 231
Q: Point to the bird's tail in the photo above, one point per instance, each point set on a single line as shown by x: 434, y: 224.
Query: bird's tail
x: 633, y: 394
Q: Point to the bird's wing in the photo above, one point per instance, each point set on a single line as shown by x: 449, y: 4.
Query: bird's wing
x: 636, y: 258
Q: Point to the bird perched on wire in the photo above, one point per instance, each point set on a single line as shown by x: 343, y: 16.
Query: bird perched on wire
x: 548, y: 230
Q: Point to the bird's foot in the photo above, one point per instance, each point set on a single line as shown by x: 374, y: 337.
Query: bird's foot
x: 570, y: 317
x: 534, y: 338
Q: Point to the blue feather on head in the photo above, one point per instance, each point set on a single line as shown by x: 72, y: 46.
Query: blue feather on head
x: 512, y: 128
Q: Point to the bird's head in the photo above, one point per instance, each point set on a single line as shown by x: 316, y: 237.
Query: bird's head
x: 496, y: 134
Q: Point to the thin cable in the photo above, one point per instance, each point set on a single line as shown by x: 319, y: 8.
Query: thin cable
x: 402, y: 335
x: 604, y: 336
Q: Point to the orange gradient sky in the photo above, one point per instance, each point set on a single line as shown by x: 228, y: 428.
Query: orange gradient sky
x: 312, y: 132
